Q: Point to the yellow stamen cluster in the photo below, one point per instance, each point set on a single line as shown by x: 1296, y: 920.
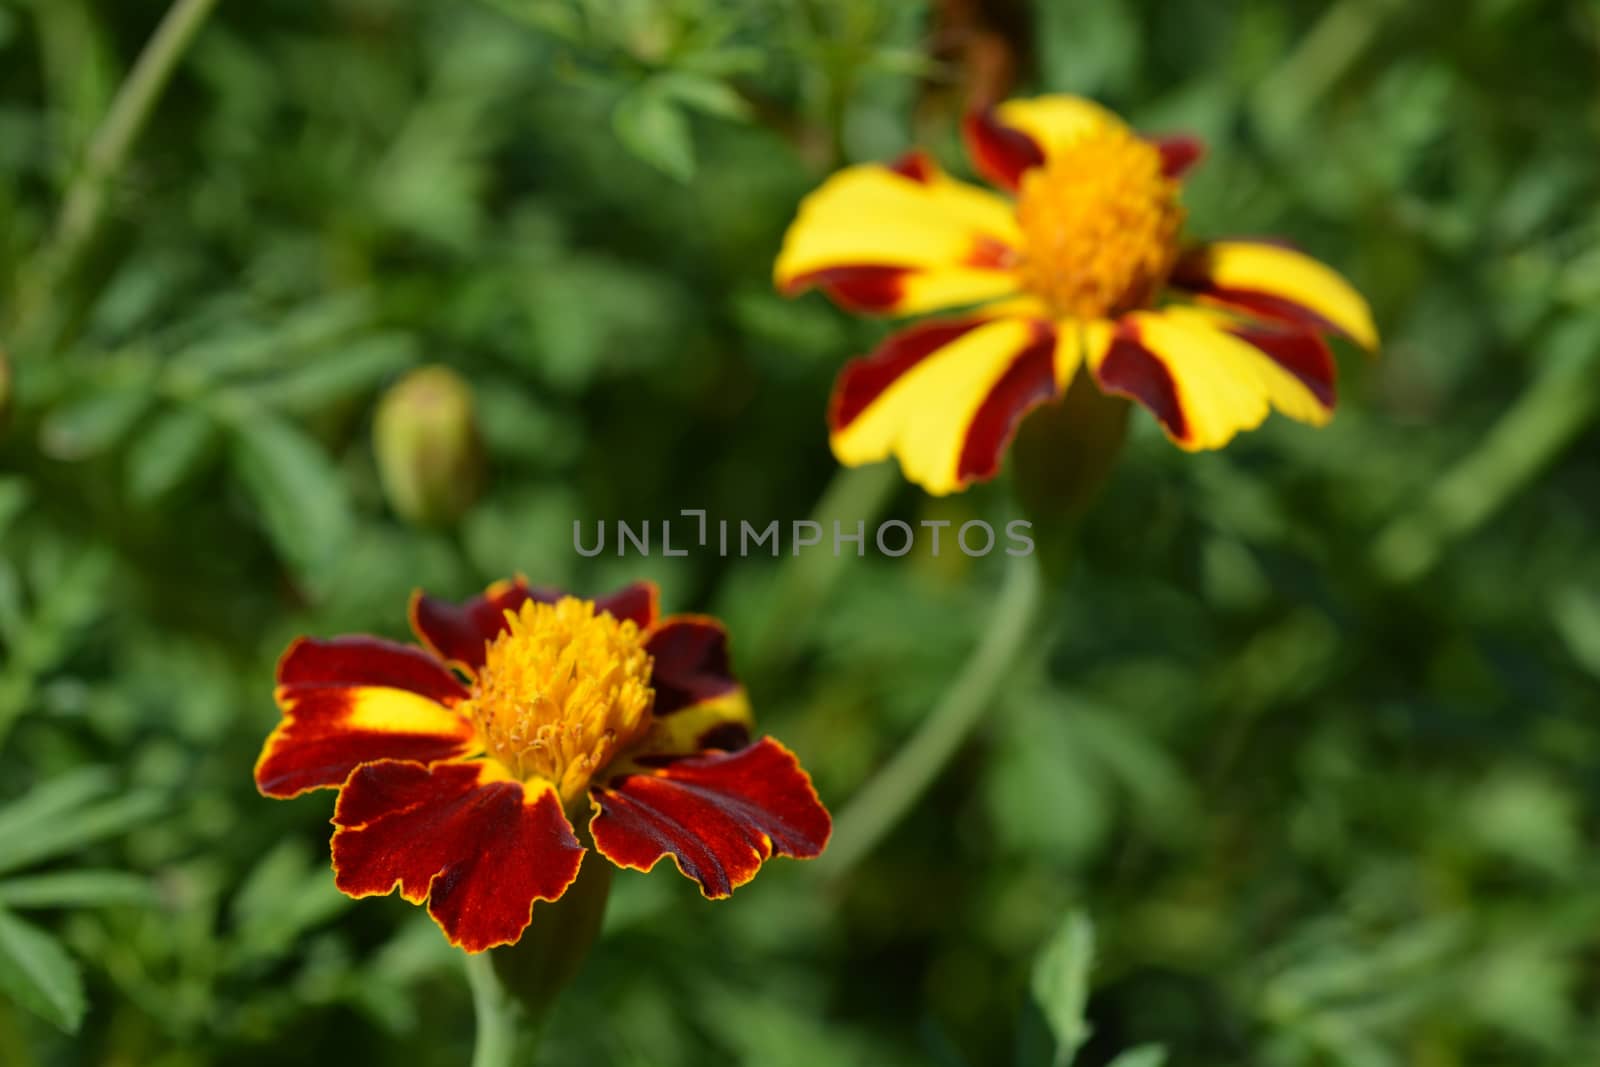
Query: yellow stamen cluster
x: 1100, y: 225
x: 560, y: 692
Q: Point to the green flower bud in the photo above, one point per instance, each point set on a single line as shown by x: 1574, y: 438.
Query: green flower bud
x: 553, y: 948
x: 1063, y: 455
x: 425, y: 437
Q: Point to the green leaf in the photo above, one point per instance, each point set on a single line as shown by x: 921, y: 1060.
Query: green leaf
x: 303, y: 504
x: 14, y: 494
x: 168, y: 453
x: 66, y: 832
x: 1061, y: 984
x: 251, y: 348
x: 284, y: 895
x: 356, y: 368
x: 91, y: 425
x: 75, y: 889
x: 53, y: 799
x: 1143, y: 1056
x: 707, y: 95
x: 37, y: 973
x: 651, y: 126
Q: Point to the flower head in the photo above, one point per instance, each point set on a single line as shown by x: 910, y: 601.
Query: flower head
x: 462, y: 767
x: 1084, y: 264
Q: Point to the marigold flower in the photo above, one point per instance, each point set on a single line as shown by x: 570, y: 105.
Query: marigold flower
x: 462, y: 768
x: 1080, y: 266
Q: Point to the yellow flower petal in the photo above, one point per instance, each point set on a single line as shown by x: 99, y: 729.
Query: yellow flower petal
x: 1204, y: 383
x: 900, y: 240
x: 944, y: 398
x: 1273, y: 282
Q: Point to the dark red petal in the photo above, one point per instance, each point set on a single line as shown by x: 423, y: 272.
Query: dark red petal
x: 720, y: 815
x: 865, y: 379
x: 367, y: 661
x: 691, y: 662
x: 1179, y: 153
x: 352, y: 700
x: 1000, y: 153
x: 916, y: 165
x: 639, y: 603
x: 1304, y: 355
x: 1192, y: 274
x: 460, y: 632
x: 1027, y: 383
x: 481, y: 851
x: 868, y: 289
x: 1264, y: 306
x: 1131, y: 370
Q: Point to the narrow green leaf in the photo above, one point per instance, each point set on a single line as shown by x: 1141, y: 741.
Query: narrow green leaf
x: 94, y: 423
x: 14, y: 494
x: 37, y: 973
x: 285, y: 894
x: 1142, y: 1056
x: 303, y: 504
x: 358, y: 367
x: 707, y: 95
x: 66, y: 833
x: 52, y: 799
x: 651, y: 126
x: 168, y: 453
x: 75, y: 889
x: 1061, y: 984
x: 253, y: 348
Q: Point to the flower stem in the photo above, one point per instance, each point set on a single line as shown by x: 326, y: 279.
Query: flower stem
x: 496, y: 1014
x: 83, y: 205
x: 886, y: 798
x: 804, y: 579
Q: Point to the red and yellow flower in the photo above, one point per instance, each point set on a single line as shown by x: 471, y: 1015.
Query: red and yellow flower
x: 1085, y: 263
x: 463, y: 766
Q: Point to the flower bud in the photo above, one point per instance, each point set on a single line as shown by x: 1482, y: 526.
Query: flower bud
x: 553, y: 948
x: 425, y: 437
x: 1063, y: 455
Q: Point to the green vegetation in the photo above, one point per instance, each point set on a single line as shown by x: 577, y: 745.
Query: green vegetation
x: 1299, y: 769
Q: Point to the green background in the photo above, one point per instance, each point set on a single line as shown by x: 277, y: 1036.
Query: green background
x: 1309, y: 735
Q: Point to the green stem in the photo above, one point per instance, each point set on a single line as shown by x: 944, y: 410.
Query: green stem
x: 1543, y: 422
x: 885, y: 800
x: 805, y: 578
x: 83, y: 206
x: 496, y: 1014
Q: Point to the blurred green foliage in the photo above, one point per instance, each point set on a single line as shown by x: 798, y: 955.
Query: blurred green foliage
x: 1311, y: 736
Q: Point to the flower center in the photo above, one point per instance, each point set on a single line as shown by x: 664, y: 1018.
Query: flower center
x: 560, y: 692
x: 1100, y: 225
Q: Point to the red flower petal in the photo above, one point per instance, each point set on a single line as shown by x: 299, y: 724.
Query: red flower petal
x: 1179, y: 153
x: 1130, y: 369
x: 868, y: 288
x: 460, y: 632
x: 1304, y: 355
x: 719, y: 816
x: 1027, y: 383
x: 867, y: 378
x: 639, y: 602
x: 479, y: 848
x: 1001, y: 153
x: 691, y: 662
x: 353, y: 700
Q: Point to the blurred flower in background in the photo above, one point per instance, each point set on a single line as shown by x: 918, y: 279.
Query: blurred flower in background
x: 1070, y: 273
x: 464, y: 795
